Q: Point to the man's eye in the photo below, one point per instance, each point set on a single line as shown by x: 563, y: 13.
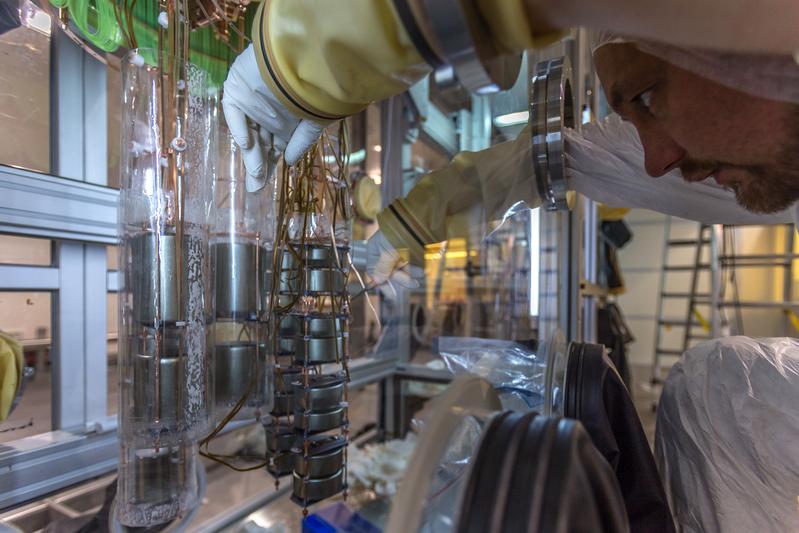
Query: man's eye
x: 644, y: 100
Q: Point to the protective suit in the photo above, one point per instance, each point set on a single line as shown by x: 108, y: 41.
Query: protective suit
x: 605, y: 162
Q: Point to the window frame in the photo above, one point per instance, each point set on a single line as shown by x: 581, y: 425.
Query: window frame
x: 73, y: 207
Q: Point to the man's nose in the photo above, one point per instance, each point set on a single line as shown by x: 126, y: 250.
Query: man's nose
x: 661, y: 153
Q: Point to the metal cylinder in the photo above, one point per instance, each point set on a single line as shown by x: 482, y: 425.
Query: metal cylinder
x: 286, y: 346
x: 284, y: 403
x: 325, y: 458
x: 155, y: 281
x: 318, y: 421
x: 281, y: 464
x: 235, y: 371
x: 154, y: 483
x: 321, y: 394
x: 235, y: 280
x: 280, y: 437
x: 315, y: 257
x: 156, y: 398
x: 314, y: 351
x: 325, y: 326
x: 327, y: 280
x: 308, y: 490
x: 284, y: 377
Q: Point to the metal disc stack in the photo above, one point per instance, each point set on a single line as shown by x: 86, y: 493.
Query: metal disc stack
x: 308, y: 434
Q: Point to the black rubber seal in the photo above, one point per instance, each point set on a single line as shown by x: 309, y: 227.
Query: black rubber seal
x: 415, y: 33
x: 274, y: 77
x: 406, y: 226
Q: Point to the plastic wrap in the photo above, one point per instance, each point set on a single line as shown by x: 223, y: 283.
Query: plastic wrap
x: 515, y: 370
x: 727, y: 434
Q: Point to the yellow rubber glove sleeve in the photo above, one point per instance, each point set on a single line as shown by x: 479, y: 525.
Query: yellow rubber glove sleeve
x: 11, y: 367
x: 512, y: 25
x: 477, y: 187
x: 610, y: 214
x: 329, y: 59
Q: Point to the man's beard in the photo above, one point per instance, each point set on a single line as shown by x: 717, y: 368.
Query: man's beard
x: 766, y: 188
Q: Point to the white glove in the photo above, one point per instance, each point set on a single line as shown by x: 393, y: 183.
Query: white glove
x: 260, y: 124
x: 384, y: 264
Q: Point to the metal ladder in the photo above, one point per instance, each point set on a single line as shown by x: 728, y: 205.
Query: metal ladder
x: 693, y: 320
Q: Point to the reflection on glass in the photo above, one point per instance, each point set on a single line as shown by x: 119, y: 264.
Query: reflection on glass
x: 112, y: 350
x: 113, y: 117
x: 26, y: 316
x: 112, y: 257
x: 25, y: 93
x: 25, y: 251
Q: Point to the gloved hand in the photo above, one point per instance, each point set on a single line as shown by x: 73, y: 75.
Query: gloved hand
x: 385, y: 265
x: 260, y: 124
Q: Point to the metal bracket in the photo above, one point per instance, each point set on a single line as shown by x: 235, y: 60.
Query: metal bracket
x: 551, y: 110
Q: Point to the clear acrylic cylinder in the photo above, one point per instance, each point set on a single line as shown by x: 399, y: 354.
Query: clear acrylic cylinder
x: 242, y: 237
x: 165, y: 364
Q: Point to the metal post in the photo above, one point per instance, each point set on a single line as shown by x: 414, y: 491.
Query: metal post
x: 591, y: 272
x: 69, y: 340
x: 716, y: 238
x: 787, y: 281
x: 79, y: 151
x: 392, y: 135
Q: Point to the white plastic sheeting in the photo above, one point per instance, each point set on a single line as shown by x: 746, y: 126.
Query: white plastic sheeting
x: 727, y: 439
x: 605, y: 162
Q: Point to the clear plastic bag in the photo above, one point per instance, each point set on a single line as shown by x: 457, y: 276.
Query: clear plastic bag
x: 514, y: 369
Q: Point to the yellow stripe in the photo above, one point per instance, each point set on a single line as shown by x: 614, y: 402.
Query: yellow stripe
x: 792, y: 317
x: 702, y: 322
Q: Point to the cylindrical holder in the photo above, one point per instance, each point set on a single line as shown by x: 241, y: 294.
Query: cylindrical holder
x: 242, y: 230
x: 165, y: 370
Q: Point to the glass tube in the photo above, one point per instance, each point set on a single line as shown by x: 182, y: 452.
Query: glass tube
x: 165, y: 369
x: 242, y: 235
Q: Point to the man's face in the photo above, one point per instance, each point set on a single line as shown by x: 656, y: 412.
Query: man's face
x: 748, y: 144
